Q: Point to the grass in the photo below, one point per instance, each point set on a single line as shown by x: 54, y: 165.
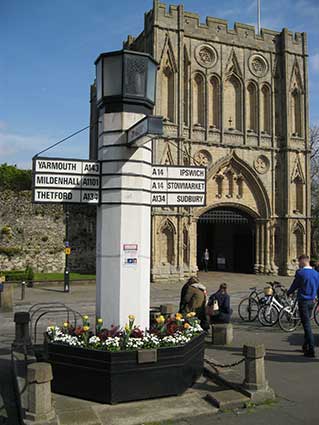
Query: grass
x: 47, y: 277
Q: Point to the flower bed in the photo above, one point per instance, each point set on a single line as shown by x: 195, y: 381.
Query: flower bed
x: 177, y: 330
x: 114, y: 365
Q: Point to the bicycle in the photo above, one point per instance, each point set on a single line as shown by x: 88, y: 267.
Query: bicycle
x: 289, y: 317
x: 249, y: 306
x: 268, y: 314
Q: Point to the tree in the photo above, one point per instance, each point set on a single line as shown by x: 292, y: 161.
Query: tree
x: 12, y: 178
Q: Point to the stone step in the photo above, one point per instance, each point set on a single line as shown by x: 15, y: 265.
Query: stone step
x: 219, y: 395
x: 227, y: 399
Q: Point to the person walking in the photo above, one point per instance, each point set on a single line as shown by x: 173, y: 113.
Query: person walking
x: 193, y: 299
x: 306, y: 283
x: 206, y: 259
x: 220, y: 299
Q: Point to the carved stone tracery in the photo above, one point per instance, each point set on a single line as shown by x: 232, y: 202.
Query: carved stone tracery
x: 258, y: 65
x: 205, y: 55
x: 203, y: 158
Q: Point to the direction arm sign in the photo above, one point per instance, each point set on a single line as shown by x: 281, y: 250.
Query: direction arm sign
x: 60, y: 180
x: 151, y: 125
x: 178, y: 186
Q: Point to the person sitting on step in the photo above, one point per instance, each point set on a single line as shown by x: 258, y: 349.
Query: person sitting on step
x: 218, y: 307
x: 193, y: 298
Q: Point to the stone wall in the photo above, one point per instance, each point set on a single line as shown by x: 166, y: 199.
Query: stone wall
x: 34, y: 234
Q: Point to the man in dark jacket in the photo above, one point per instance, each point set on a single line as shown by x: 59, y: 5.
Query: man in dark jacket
x: 306, y: 283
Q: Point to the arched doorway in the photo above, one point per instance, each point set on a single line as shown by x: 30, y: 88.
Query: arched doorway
x: 229, y: 235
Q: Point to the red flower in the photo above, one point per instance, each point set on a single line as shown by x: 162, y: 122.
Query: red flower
x: 78, y: 330
x: 172, y: 328
x: 137, y: 333
x: 109, y: 333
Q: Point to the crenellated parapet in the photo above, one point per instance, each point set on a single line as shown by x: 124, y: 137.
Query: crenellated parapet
x: 174, y: 18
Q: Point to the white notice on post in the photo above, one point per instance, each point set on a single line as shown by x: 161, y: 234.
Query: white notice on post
x: 130, y: 254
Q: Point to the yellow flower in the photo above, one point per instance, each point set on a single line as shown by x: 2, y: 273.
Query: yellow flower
x: 127, y: 328
x: 65, y: 324
x: 178, y: 316
x: 187, y: 325
x: 52, y: 327
x: 100, y: 321
x: 86, y: 328
x: 85, y: 317
x: 160, y: 320
x: 131, y: 317
x: 191, y: 314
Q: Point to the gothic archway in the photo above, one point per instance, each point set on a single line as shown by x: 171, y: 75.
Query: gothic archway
x: 229, y: 235
x: 232, y: 180
x: 235, y: 188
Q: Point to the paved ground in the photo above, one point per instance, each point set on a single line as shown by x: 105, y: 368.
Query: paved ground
x: 294, y: 378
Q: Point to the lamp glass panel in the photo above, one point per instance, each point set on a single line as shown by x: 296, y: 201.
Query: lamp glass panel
x: 99, y: 80
x: 151, y: 81
x: 135, y: 75
x: 112, y: 75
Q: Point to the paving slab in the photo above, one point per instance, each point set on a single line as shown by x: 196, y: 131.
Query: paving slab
x: 85, y: 416
x: 157, y: 410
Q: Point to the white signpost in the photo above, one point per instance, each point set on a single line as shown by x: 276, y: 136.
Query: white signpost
x: 176, y: 186
x: 60, y: 180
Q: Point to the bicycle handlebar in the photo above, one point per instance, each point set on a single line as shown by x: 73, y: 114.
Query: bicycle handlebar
x: 275, y: 284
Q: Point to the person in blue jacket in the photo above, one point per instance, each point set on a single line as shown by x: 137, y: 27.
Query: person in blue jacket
x: 306, y: 283
x: 224, y: 311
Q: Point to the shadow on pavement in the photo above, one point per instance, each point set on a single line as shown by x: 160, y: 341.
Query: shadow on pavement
x: 298, y: 339
x: 51, y: 290
x: 288, y: 358
x: 8, y: 406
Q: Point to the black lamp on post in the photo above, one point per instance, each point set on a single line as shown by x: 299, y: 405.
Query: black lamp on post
x: 126, y: 82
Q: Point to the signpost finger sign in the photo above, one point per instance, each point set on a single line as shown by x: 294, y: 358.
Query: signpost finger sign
x: 60, y: 180
x: 178, y: 186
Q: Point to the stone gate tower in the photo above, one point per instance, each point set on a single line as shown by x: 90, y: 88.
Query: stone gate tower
x: 236, y: 102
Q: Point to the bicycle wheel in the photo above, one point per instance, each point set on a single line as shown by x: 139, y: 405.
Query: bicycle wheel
x: 288, y: 322
x: 316, y: 313
x: 268, y: 315
x: 248, y: 309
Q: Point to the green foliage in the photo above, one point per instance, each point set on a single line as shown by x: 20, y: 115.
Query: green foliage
x: 12, y: 178
x: 19, y: 275
x: 46, y: 277
x: 6, y: 230
x: 10, y: 251
x: 29, y: 274
x: 14, y: 275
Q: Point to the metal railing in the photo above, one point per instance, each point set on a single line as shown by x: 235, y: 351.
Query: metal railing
x: 39, y: 310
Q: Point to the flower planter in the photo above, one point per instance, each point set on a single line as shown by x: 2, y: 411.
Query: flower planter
x: 113, y: 377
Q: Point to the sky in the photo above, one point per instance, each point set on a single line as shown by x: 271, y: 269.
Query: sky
x: 48, y: 49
